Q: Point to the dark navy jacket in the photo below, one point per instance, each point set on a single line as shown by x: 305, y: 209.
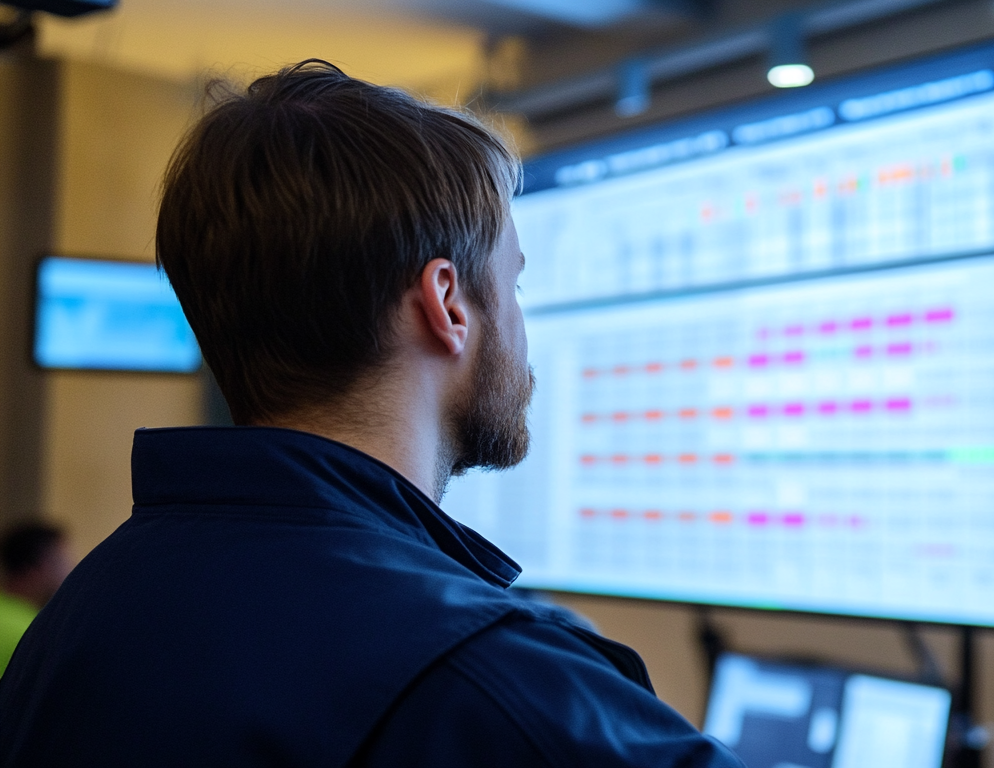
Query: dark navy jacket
x: 278, y: 599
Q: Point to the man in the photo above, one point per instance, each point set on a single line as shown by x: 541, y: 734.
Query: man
x: 287, y: 591
x: 34, y: 560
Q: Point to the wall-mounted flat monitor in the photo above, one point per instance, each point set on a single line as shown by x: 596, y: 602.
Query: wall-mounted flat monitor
x: 109, y: 315
x: 764, y: 345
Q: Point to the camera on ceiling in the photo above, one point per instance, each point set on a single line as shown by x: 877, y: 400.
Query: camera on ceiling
x: 63, y: 7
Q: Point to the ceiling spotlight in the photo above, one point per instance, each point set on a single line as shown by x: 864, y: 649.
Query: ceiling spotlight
x: 788, y: 63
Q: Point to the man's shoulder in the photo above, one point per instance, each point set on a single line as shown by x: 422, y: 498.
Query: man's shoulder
x: 538, y: 689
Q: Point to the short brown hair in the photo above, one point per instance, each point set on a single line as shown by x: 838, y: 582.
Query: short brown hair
x: 295, y: 215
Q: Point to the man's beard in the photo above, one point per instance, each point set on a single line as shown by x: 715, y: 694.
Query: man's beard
x: 489, y: 428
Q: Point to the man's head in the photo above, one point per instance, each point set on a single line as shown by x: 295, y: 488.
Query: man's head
x: 34, y: 560
x: 297, y: 216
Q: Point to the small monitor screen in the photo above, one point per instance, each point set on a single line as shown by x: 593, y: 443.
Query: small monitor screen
x: 110, y: 315
x: 774, y: 714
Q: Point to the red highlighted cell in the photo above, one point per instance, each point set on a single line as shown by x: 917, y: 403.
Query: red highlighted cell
x: 654, y: 367
x: 724, y: 458
x: 653, y: 458
x: 654, y: 415
x: 653, y: 515
x: 619, y: 514
x: 688, y: 413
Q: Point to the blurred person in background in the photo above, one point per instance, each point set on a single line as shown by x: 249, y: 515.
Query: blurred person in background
x: 34, y: 561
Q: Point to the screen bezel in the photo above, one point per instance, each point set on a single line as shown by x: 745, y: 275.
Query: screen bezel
x: 35, y: 305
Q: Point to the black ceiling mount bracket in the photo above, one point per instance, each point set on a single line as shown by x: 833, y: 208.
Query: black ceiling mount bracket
x: 16, y: 28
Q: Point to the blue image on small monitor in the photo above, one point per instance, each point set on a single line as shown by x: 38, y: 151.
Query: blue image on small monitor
x: 110, y: 315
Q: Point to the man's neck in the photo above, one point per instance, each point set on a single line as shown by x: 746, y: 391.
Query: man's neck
x: 403, y: 432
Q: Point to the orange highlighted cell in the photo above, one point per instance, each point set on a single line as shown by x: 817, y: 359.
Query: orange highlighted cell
x: 723, y: 413
x: 654, y: 415
x: 654, y: 367
x: 688, y: 365
x: 724, y: 458
x: 688, y: 413
x: 588, y: 459
x: 619, y: 458
x: 590, y: 373
x: 619, y: 514
x: 653, y: 514
x: 653, y: 458
x: 688, y: 458
x: 724, y: 362
x: 721, y: 518
x: 687, y: 517
x: 619, y: 416
x: 588, y: 513
x: 621, y: 370
x: 588, y: 418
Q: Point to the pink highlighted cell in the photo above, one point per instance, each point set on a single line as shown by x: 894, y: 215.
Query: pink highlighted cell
x: 793, y: 330
x: 943, y: 315
x: 759, y: 411
x: 861, y: 406
x: 759, y: 361
x: 902, y: 349
x: 758, y: 518
x: 828, y: 408
x: 899, y: 404
x: 900, y: 321
x: 828, y: 327
x: 794, y: 357
x: 793, y: 519
x: 794, y: 409
x: 863, y: 352
x: 861, y: 324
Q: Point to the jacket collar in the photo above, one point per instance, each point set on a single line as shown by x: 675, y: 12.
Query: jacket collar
x: 262, y: 469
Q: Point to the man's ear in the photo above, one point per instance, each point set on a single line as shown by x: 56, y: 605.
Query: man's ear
x: 444, y: 304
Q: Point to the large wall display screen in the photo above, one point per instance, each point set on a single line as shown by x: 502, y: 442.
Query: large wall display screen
x: 110, y: 315
x: 764, y: 343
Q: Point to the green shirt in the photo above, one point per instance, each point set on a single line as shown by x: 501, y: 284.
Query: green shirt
x: 15, y: 617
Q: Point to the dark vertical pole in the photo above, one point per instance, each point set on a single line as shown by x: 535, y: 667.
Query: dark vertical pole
x: 29, y: 124
x: 964, y: 719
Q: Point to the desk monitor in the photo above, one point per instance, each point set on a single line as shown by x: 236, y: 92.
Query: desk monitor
x: 780, y: 715
x: 764, y: 344
x: 110, y: 315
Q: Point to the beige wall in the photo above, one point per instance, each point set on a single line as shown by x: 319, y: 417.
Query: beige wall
x: 117, y: 131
